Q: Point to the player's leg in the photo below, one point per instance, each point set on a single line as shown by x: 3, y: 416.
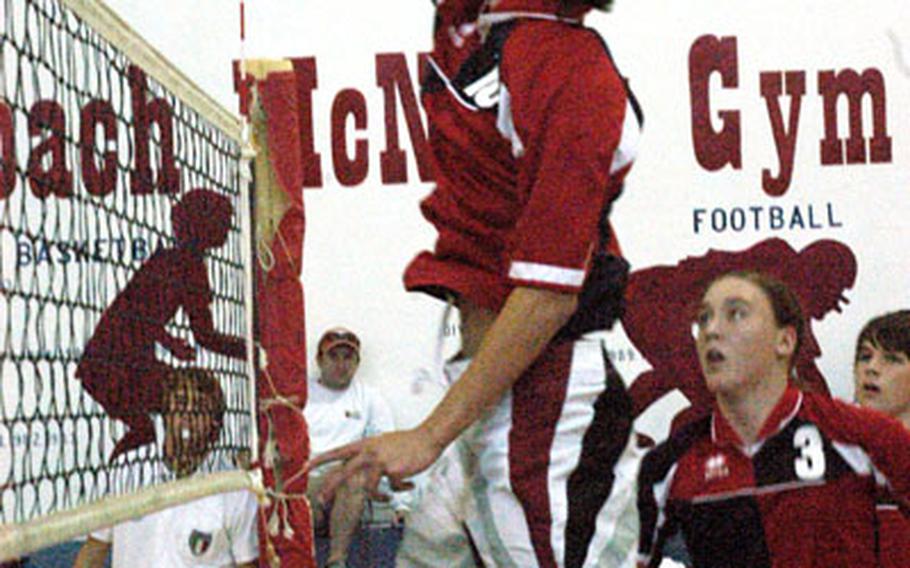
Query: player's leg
x: 556, y: 483
x: 435, y: 533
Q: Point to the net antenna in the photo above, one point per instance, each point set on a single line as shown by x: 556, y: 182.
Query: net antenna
x: 244, y: 124
x: 102, y: 141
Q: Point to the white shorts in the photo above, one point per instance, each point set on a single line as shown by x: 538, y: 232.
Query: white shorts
x: 548, y: 475
x: 435, y: 533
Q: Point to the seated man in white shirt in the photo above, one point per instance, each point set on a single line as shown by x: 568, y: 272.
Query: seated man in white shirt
x: 219, y: 530
x: 341, y: 410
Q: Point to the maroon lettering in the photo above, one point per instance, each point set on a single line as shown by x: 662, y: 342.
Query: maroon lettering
x: 784, y: 137
x: 349, y: 102
x: 714, y: 149
x: 7, y: 152
x: 101, y: 181
x: 146, y: 113
x: 305, y: 75
x: 57, y: 179
x: 849, y: 83
x: 161, y: 114
x: 393, y: 77
x: 141, y: 176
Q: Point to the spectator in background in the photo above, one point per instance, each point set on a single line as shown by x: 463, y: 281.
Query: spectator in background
x: 219, y: 530
x: 341, y: 410
x: 881, y: 372
x: 774, y: 477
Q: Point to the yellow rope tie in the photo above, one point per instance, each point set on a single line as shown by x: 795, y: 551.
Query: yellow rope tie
x: 279, y: 519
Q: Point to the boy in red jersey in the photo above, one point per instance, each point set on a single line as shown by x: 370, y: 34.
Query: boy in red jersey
x: 774, y: 477
x: 118, y: 366
x: 881, y: 372
x: 533, y: 131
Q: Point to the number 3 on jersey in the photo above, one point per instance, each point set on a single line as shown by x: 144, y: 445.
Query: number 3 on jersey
x: 810, y: 463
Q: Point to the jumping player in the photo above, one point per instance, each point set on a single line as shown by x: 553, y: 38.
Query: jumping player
x: 881, y: 373
x: 774, y: 477
x: 532, y: 130
x: 118, y: 366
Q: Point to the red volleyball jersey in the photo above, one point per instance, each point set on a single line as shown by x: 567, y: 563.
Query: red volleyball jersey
x: 532, y: 131
x: 803, y: 495
x: 893, y: 532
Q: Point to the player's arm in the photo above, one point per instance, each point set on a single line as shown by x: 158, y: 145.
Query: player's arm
x: 527, y: 322
x: 93, y: 554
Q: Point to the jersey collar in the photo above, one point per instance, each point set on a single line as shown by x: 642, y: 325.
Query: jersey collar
x: 722, y: 433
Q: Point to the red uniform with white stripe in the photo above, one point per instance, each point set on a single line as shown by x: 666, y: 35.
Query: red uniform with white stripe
x: 803, y: 495
x: 893, y: 532
x: 526, y: 153
x: 532, y: 131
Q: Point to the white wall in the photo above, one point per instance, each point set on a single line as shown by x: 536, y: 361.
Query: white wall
x: 359, y: 238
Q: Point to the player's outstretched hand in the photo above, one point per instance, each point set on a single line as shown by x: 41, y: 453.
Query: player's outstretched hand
x: 396, y: 455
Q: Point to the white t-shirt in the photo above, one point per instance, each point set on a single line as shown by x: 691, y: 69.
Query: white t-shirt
x: 215, y: 531
x: 338, y: 417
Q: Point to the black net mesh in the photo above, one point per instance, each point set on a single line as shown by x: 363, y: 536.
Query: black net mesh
x: 94, y: 157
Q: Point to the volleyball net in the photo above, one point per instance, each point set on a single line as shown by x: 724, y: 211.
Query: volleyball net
x: 125, y: 269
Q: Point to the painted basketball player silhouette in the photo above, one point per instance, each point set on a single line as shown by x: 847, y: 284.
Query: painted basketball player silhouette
x: 118, y: 367
x: 661, y: 303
